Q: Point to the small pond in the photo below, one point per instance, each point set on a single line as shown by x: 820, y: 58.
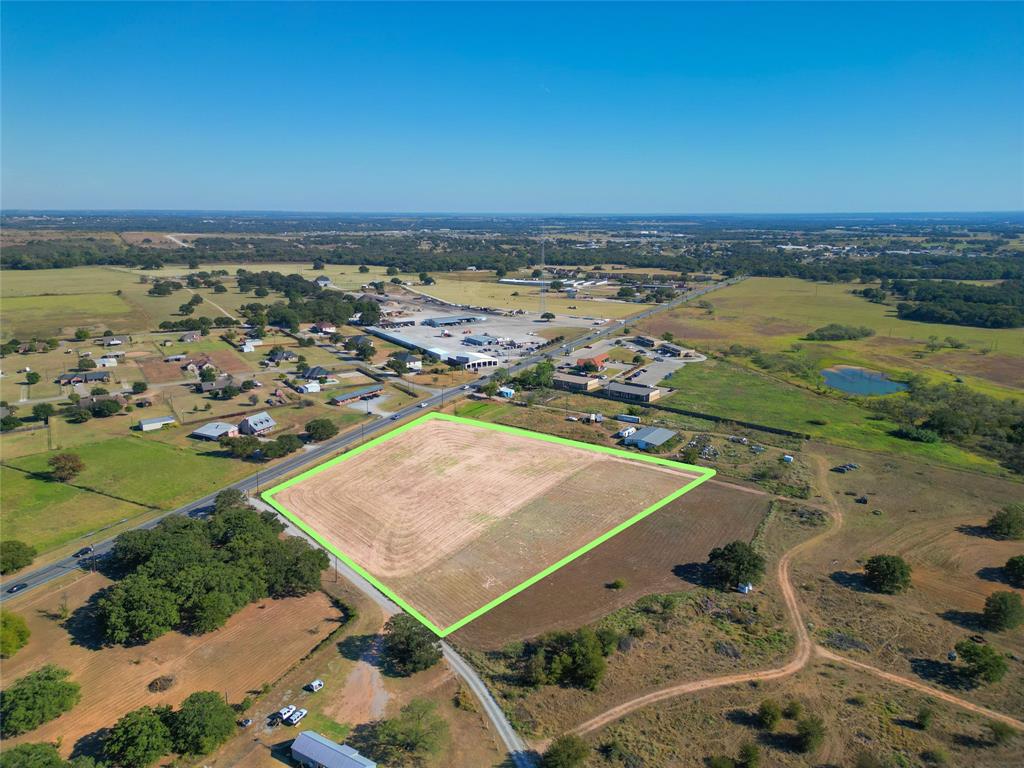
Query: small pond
x: 860, y: 381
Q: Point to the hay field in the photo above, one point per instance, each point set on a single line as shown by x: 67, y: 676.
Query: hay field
x: 450, y: 516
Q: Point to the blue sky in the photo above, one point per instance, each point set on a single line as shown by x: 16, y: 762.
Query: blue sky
x: 584, y: 108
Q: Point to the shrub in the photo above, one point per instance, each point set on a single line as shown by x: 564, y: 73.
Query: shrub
x: 15, y: 555
x: 1003, y: 610
x: 750, y: 755
x: 888, y: 574
x: 617, y: 584
x: 1001, y: 732
x: 925, y: 715
x: 810, y: 733
x: 769, y: 714
x: 1008, y: 523
x: 138, y: 387
x: 568, y: 751
x: 1014, y: 570
x: 917, y: 434
x: 984, y: 663
x: 793, y: 709
x: 935, y: 756
x: 721, y: 761
x: 36, y: 698
x: 14, y: 633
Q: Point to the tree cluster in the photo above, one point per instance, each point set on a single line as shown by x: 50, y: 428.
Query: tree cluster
x: 193, y: 575
x: 837, y: 332
x: 36, y: 698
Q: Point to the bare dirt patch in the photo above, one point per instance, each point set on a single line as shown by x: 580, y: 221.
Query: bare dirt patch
x: 658, y: 554
x: 257, y: 645
x: 452, y: 515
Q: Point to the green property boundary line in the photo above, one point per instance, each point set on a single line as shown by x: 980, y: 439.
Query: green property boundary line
x: 704, y: 474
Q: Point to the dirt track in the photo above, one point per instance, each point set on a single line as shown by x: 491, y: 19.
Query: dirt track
x: 805, y: 650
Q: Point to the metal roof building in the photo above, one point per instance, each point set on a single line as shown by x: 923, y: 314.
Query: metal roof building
x: 214, y: 430
x: 157, y: 422
x: 438, y: 322
x: 649, y: 437
x: 632, y: 392
x: 257, y: 424
x: 314, y: 751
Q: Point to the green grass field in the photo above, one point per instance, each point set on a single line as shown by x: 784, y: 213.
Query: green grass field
x: 775, y: 313
x: 144, y: 471
x: 47, y: 515
x: 732, y: 391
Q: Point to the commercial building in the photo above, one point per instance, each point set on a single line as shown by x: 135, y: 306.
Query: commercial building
x: 363, y: 393
x: 573, y: 383
x: 649, y: 437
x: 473, y: 361
x: 632, y: 393
x: 479, y: 339
x: 441, y: 322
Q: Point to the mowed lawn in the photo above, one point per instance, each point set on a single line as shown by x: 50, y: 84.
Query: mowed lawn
x: 774, y: 313
x: 143, y: 471
x: 734, y: 392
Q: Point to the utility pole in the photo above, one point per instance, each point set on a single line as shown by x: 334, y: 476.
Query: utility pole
x: 543, y: 287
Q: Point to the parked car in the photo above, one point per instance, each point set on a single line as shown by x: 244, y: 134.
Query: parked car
x: 245, y: 723
x: 286, y: 712
x: 18, y: 587
x: 297, y: 716
x: 316, y: 685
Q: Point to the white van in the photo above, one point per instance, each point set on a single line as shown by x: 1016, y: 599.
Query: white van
x: 316, y: 685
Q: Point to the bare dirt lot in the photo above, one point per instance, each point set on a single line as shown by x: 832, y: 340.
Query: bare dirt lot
x: 257, y: 645
x: 452, y: 515
x: 655, y: 555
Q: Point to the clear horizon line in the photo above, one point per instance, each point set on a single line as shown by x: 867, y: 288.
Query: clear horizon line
x: 312, y: 212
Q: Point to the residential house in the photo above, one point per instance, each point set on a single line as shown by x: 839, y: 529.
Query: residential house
x: 112, y: 341
x: 282, y: 356
x: 597, y: 362
x: 83, y: 377
x: 323, y: 327
x: 189, y: 336
x: 89, y: 401
x: 257, y: 424
x: 412, y: 362
x: 198, y: 364
x: 205, y: 387
x: 316, y: 372
x: 323, y: 281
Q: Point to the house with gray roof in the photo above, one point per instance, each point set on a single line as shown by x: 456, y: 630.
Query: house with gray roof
x: 257, y: 424
x: 214, y: 431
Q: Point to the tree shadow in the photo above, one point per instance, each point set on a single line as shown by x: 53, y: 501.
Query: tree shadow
x: 363, y: 738
x: 980, y: 531
x: 966, y: 619
x: 970, y: 742
x: 743, y: 717
x: 906, y: 722
x: 783, y: 742
x: 698, y: 574
x: 354, y: 647
x: 853, y: 580
x: 940, y: 672
x: 90, y: 745
x: 83, y: 625
x: 992, y: 573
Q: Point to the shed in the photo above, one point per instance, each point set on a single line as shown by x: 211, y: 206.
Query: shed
x: 308, y: 387
x: 215, y: 430
x: 506, y: 392
x: 157, y: 422
x: 312, y: 750
x: 650, y: 437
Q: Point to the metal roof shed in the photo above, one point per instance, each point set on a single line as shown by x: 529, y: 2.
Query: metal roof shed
x: 313, y: 750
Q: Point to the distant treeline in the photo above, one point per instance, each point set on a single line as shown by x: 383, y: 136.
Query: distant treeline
x: 985, y: 306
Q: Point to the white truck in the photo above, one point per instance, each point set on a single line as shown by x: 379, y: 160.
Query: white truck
x: 296, y: 717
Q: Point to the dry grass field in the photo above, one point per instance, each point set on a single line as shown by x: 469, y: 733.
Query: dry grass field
x: 257, y: 645
x: 451, y: 515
